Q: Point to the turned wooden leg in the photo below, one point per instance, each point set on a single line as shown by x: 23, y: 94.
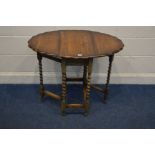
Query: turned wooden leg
x: 88, y: 72
x: 64, y: 86
x: 106, y: 91
x: 41, y: 75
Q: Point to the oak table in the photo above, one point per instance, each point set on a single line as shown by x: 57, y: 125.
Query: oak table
x: 75, y: 48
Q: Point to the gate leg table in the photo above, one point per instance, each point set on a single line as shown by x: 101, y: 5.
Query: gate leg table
x: 75, y: 48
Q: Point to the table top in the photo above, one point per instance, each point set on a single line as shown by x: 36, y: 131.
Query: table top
x: 75, y: 44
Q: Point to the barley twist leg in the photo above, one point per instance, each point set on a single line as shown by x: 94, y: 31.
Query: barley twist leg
x: 106, y: 91
x: 87, y: 97
x: 41, y: 75
x: 64, y: 87
x: 85, y: 81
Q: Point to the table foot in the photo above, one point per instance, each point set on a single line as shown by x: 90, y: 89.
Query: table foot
x: 106, y: 93
x: 86, y: 113
x: 63, y: 113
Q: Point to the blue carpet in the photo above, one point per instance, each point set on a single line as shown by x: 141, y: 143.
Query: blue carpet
x: 128, y: 107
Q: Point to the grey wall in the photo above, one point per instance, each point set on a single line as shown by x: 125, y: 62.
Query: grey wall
x: 135, y: 64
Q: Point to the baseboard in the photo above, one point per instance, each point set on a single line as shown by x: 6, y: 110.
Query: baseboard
x: 55, y: 78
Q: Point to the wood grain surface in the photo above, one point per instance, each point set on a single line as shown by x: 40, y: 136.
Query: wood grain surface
x: 75, y: 44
